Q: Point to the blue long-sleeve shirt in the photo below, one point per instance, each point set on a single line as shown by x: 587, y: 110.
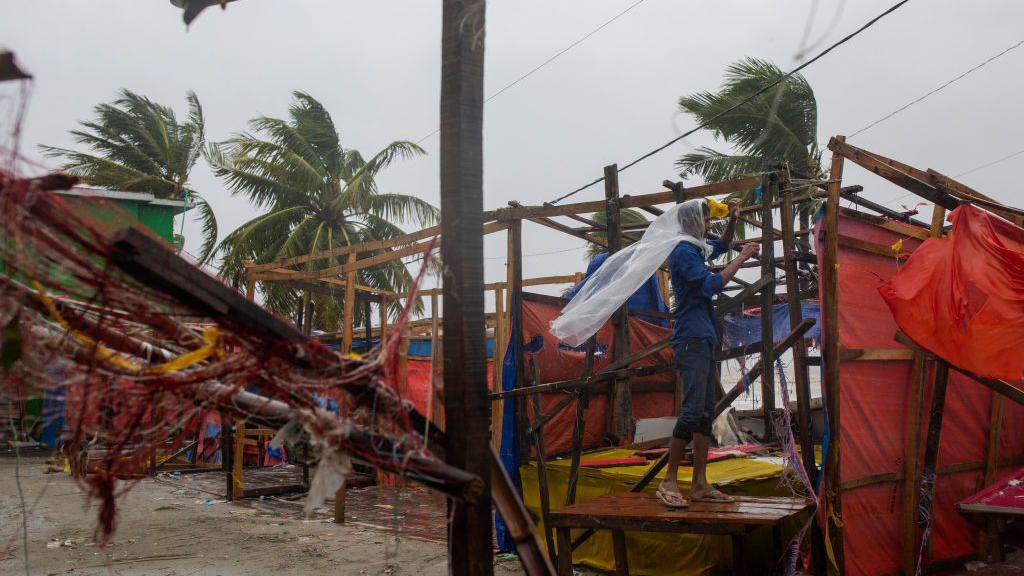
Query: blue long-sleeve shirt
x: 693, y: 286
x: 647, y: 297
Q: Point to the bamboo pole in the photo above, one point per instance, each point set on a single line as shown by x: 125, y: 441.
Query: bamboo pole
x: 767, y: 303
x: 830, y: 355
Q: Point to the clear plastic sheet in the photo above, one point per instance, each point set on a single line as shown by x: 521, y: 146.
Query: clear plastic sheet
x: 626, y: 270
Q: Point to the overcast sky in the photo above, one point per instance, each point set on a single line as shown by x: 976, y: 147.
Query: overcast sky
x: 376, y: 67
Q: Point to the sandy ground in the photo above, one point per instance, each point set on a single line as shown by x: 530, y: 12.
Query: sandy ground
x: 176, y: 530
x: 167, y: 530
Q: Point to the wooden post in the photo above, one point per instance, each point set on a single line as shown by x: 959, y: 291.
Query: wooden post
x: 227, y: 445
x: 498, y: 408
x: 620, y: 411
x: 436, y: 364
x: 767, y: 306
x: 467, y: 408
x: 307, y: 313
x: 542, y: 469
x: 988, y: 540
x: 830, y: 356
x: 515, y: 284
x: 237, y: 462
x: 403, y: 367
x: 382, y: 311
x: 250, y: 288
x: 348, y: 308
x: 918, y: 374
x: 931, y: 448
x: 369, y: 322
x: 800, y: 375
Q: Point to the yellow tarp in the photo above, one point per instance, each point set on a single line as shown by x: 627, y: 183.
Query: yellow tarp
x: 649, y: 553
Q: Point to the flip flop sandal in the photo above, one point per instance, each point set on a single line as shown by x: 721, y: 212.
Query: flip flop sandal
x: 668, y: 501
x: 713, y: 497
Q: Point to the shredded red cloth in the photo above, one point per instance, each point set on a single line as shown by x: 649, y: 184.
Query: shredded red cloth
x: 962, y: 297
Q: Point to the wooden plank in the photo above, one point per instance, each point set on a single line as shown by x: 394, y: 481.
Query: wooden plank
x: 582, y: 400
x: 374, y: 246
x: 570, y: 231
x: 869, y: 247
x: 899, y: 174
x: 896, y: 226
x: 147, y: 260
x: 517, y: 521
x: 881, y: 209
x: 875, y: 354
x: 498, y: 409
x: 348, y: 309
x: 965, y: 192
x: 542, y: 468
x: 830, y: 356
x: 988, y: 542
x: 625, y: 510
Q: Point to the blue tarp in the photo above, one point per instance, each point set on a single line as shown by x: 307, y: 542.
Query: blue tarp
x: 742, y: 330
x: 417, y: 348
x: 509, y: 452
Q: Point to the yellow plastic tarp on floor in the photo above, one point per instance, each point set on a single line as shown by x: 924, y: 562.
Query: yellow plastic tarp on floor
x: 656, y: 554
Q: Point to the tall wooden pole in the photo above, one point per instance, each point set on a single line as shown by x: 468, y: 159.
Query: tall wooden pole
x: 912, y: 441
x: 467, y: 408
x: 515, y: 287
x: 830, y: 355
x: 621, y: 408
x: 767, y: 305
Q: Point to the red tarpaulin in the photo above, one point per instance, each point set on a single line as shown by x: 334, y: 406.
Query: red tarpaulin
x: 962, y: 297
x: 874, y: 405
x: 652, y: 395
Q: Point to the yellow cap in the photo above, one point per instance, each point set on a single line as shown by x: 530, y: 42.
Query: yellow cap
x: 717, y: 210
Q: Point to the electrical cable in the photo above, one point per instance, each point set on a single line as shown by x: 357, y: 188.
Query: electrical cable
x: 743, y: 102
x: 939, y: 88
x: 558, y: 54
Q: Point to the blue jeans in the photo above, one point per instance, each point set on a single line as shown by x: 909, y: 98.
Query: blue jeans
x: 695, y: 362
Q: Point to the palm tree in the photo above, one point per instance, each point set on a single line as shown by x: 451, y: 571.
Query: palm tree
x: 138, y: 145
x: 318, y: 195
x: 778, y: 126
x: 626, y: 216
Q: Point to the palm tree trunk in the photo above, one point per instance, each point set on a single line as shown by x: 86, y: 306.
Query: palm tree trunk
x: 467, y: 408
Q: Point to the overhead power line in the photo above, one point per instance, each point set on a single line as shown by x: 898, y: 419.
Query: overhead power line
x: 554, y: 57
x: 992, y: 163
x: 743, y: 102
x: 937, y: 89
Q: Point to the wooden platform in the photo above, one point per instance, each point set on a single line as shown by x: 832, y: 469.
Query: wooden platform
x: 643, y: 512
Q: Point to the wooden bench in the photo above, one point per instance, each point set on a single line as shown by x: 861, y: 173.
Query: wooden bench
x: 643, y: 512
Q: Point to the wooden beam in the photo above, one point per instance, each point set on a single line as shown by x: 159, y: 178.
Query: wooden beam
x: 883, y: 210
x: 830, y: 355
x: 569, y: 230
x: 715, y: 189
x: 875, y: 354
x: 900, y: 174
x: 374, y: 246
x: 869, y: 247
x: 350, y: 266
x: 898, y: 227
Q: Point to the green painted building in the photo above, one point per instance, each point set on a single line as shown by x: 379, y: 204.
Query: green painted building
x: 119, y: 209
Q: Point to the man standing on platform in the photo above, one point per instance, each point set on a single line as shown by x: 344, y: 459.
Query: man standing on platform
x: 695, y: 339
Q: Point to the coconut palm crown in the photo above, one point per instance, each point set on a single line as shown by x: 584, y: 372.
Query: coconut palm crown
x: 778, y: 126
x: 316, y: 195
x: 138, y: 145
